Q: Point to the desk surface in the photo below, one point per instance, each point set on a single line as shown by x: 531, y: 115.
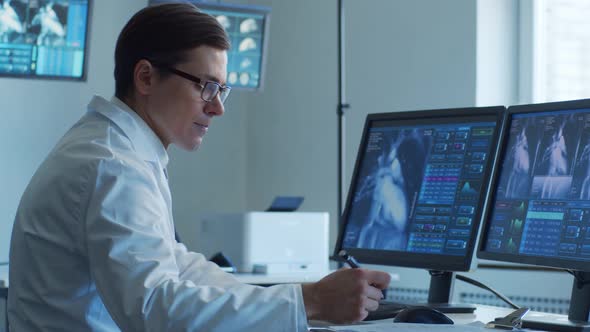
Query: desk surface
x: 483, y: 314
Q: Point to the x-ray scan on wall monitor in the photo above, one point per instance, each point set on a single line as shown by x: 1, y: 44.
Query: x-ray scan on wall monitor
x: 44, y: 38
x: 540, y: 207
x: 247, y: 27
x: 418, y: 187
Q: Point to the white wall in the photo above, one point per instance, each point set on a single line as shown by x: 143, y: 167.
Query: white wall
x: 497, y: 52
x: 400, y: 55
x: 291, y: 135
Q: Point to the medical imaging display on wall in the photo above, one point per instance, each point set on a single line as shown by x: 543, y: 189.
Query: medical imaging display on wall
x: 418, y: 187
x: 542, y: 201
x: 246, y: 31
x: 43, y: 38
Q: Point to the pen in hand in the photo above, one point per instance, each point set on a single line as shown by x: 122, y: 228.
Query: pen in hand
x: 348, y: 259
x: 355, y: 265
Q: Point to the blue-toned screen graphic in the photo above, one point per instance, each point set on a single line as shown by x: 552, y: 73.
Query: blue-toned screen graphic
x: 246, y: 32
x: 43, y: 38
x: 542, y: 205
x: 418, y: 187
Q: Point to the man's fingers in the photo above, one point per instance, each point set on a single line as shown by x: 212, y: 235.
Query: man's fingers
x: 374, y: 293
x: 371, y: 305
x: 378, y: 279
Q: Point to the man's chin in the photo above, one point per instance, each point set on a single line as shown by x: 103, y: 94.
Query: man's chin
x: 192, y: 146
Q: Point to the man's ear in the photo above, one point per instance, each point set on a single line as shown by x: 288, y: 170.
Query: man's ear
x: 144, y: 76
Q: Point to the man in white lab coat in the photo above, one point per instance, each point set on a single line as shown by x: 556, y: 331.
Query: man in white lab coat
x: 93, y: 245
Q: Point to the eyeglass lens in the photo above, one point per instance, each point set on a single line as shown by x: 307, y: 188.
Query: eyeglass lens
x: 210, y: 91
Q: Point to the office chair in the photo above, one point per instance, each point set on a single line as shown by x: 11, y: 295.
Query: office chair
x: 4, y: 295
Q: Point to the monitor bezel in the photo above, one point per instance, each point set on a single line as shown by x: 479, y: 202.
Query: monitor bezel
x: 84, y: 76
x: 257, y: 9
x: 486, y: 222
x: 438, y: 262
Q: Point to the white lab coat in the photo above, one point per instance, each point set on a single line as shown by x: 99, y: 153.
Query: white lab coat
x: 93, y: 245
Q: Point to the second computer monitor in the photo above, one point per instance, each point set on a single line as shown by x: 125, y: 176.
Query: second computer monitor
x: 418, y: 188
x: 541, y: 197
x: 540, y: 200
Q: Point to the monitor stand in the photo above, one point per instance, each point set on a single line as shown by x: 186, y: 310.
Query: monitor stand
x: 439, y: 295
x: 578, y: 319
x: 441, y: 291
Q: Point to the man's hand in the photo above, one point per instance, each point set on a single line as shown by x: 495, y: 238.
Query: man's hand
x: 345, y: 296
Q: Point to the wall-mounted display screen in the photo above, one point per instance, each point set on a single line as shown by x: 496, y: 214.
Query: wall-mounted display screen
x: 247, y: 28
x: 44, y: 38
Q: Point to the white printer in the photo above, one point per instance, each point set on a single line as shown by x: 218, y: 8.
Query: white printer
x: 268, y: 242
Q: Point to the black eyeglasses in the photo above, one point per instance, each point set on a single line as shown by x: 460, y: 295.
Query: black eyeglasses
x: 209, y: 89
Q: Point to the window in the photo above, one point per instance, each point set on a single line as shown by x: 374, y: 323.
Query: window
x: 554, y: 50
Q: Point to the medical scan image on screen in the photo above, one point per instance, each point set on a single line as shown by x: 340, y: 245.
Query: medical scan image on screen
x: 542, y: 202
x: 246, y: 31
x: 43, y: 38
x: 418, y: 187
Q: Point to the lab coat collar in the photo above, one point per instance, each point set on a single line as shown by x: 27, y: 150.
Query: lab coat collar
x: 143, y: 138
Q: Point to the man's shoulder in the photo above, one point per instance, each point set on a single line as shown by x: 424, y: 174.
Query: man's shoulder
x: 91, y: 149
x: 94, y: 138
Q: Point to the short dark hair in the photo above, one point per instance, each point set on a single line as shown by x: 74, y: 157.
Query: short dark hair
x: 163, y: 33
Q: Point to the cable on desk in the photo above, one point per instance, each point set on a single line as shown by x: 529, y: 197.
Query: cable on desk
x: 480, y: 285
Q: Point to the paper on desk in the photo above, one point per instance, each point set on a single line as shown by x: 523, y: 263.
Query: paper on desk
x: 399, y: 327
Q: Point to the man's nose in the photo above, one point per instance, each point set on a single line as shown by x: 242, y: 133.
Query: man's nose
x: 215, y: 107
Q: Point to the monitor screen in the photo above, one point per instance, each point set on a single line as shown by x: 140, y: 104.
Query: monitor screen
x: 540, y: 210
x: 43, y: 38
x: 247, y: 28
x: 418, y: 188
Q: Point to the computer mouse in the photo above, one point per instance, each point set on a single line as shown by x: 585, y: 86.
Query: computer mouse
x: 423, y: 315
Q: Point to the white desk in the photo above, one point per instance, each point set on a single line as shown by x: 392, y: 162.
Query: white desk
x: 483, y: 314
x: 487, y: 313
x: 463, y: 322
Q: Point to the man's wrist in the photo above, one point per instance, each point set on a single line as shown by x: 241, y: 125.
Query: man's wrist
x: 310, y: 300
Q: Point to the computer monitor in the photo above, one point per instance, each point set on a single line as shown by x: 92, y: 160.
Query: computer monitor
x: 539, y: 211
x: 418, y: 190
x: 44, y: 38
x: 247, y: 27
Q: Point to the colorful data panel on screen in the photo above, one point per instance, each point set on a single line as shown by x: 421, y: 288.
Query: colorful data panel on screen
x: 542, y: 205
x: 418, y: 187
